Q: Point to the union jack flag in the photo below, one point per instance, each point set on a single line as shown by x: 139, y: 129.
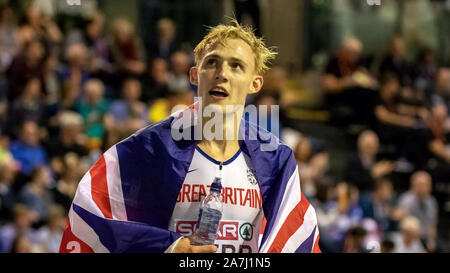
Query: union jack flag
x: 125, y: 201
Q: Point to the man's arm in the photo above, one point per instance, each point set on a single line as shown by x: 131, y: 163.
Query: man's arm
x: 333, y: 84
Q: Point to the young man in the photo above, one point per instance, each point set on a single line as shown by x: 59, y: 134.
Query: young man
x: 144, y: 193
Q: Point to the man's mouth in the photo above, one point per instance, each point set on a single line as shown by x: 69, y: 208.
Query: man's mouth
x: 218, y: 92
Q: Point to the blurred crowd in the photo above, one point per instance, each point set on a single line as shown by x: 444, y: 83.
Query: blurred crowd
x: 67, y: 96
x: 395, y: 182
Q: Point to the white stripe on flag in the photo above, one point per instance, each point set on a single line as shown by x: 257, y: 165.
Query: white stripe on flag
x: 85, y: 233
x: 317, y: 234
x: 83, y: 196
x: 115, y: 184
x: 302, y: 233
x: 291, y: 198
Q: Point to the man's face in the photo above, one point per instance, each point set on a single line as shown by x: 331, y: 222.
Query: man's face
x: 94, y: 93
x: 385, y: 191
x: 226, y: 75
x: 422, y: 185
x: 159, y: 70
x: 180, y: 63
x: 132, y: 90
x: 30, y: 134
x: 368, y: 145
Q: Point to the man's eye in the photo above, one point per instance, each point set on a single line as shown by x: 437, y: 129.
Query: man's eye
x: 211, y: 62
x: 236, y: 65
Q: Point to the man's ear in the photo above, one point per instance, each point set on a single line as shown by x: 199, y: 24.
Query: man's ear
x: 256, y: 84
x: 193, y: 75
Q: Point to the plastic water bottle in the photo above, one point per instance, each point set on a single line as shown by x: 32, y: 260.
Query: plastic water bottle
x: 210, y: 214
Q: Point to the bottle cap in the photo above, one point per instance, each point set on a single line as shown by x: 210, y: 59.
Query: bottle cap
x: 216, y: 186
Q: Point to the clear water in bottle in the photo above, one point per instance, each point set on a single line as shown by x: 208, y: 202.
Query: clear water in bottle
x: 209, y: 215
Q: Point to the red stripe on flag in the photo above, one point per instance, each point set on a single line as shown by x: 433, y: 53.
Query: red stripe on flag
x: 263, y: 225
x: 71, y: 243
x: 99, y: 187
x: 292, y: 223
x: 316, y: 248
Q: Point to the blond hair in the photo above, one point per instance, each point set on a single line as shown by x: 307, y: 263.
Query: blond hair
x: 219, y: 34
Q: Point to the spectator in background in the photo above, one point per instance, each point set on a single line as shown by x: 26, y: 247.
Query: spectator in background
x: 400, y: 125
x: 388, y: 103
x: 439, y: 137
x: 274, y: 89
x: 425, y: 74
x: 439, y: 148
x: 155, y: 85
x: 347, y: 202
x: 442, y: 94
x: 178, y: 76
x: 25, y: 66
x: 354, y: 240
x: 129, y: 113
x: 9, y: 47
x: 272, y: 114
x: 23, y: 218
x: 127, y: 49
x: 340, y: 214
x: 93, y: 108
x: 37, y: 26
x: 326, y: 216
x: 274, y: 83
x: 50, y: 235
x: 74, y: 75
x: 409, y: 239
x: 36, y: 193
x: 387, y: 246
x: 164, y: 45
x: 3, y: 112
x: 347, y: 83
x: 379, y: 205
x: 163, y: 107
x: 9, y: 37
x: 99, y: 51
x: 28, y: 107
x: 72, y: 171
x: 21, y: 244
x: 69, y: 140
x: 365, y: 167
x: 7, y: 195
x: 394, y: 62
x: 312, y: 166
x: 419, y: 202
x: 52, y: 82
x: 27, y: 150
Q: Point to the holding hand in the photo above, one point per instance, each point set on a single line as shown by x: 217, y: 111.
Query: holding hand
x: 184, y: 246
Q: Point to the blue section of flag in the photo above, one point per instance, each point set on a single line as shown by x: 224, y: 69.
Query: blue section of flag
x: 127, y: 236
x: 307, y: 245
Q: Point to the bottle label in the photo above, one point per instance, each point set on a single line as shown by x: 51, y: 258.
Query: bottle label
x: 208, y: 222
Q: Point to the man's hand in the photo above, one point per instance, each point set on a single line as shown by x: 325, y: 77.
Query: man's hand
x: 382, y: 168
x: 184, y: 246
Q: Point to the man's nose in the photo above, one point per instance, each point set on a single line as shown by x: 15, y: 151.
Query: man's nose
x: 222, y: 72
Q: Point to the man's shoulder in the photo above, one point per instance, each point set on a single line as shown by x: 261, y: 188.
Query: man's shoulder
x: 155, y: 131
x: 268, y: 153
x: 267, y: 141
x: 407, y: 198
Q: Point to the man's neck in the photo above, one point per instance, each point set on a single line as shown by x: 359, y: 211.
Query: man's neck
x: 220, y: 150
x: 226, y: 147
